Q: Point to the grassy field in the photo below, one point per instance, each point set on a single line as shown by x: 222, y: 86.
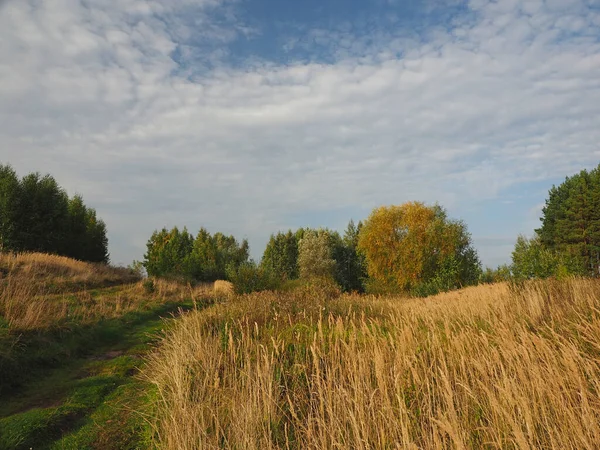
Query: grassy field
x: 489, y: 367
x: 72, y: 339
x: 94, y: 358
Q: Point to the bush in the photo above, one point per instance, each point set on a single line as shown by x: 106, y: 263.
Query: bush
x: 498, y: 275
x: 148, y: 286
x: 374, y: 286
x: 532, y: 259
x: 314, y: 287
x: 249, y: 277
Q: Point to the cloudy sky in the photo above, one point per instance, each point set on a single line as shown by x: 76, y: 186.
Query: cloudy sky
x: 252, y: 116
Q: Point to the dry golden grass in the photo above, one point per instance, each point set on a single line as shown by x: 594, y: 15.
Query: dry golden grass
x: 39, y: 291
x: 489, y: 367
x: 62, y: 271
x: 222, y: 287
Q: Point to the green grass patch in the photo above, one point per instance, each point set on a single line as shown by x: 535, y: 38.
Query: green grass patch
x: 74, y: 386
x: 27, y: 355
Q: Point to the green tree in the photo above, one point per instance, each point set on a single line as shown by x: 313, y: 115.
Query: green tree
x: 497, y: 275
x: 350, y: 268
x: 178, y: 254
x: 250, y: 277
x: 9, y: 202
x: 42, y: 215
x: 76, y: 244
x: 532, y: 259
x: 203, y: 262
x: 96, y: 241
x: 281, y: 255
x: 37, y: 215
x: 571, y: 221
x: 315, y: 255
x: 167, y: 253
x: 229, y: 253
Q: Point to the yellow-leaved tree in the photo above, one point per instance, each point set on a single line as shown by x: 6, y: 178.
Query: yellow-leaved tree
x: 414, y: 246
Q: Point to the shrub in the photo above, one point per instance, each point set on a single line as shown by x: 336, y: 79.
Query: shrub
x: 249, y: 277
x: 324, y: 288
x: 148, y: 286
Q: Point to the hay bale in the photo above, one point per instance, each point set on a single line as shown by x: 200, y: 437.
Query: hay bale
x: 223, y: 287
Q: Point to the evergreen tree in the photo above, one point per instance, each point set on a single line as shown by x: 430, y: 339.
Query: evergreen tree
x: 9, y: 203
x: 42, y: 215
x: 571, y: 221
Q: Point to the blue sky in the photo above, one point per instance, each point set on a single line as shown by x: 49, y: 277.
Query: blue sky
x: 253, y: 116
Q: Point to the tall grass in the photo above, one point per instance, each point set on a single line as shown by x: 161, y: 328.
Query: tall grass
x: 60, y: 273
x: 486, y: 367
x: 39, y: 291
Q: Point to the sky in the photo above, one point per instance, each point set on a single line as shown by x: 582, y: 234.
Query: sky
x: 254, y: 116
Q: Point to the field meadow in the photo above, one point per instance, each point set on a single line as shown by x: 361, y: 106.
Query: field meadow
x: 73, y: 337
x: 493, y: 367
x: 96, y: 358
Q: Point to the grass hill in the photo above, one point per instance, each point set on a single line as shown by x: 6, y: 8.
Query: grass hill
x: 90, y: 360
x: 488, y: 367
x: 72, y: 336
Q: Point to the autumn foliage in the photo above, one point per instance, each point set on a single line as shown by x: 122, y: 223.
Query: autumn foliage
x: 410, y: 245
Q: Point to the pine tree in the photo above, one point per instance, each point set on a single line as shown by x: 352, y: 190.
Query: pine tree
x: 42, y: 215
x: 571, y: 221
x: 9, y: 202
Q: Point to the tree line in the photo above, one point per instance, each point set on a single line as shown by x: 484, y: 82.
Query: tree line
x: 418, y: 249
x: 37, y: 215
x: 400, y: 248
x: 412, y: 247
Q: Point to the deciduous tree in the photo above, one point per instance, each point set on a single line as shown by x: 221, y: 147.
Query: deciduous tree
x: 411, y: 244
x: 315, y: 255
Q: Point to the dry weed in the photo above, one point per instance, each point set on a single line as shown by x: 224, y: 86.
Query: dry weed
x: 486, y: 367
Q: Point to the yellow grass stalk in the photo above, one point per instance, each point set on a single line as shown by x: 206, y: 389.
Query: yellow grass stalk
x: 494, y: 366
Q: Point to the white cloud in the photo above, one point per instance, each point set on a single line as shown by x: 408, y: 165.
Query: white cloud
x: 94, y: 94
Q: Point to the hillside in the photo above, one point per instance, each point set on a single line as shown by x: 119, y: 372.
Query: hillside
x: 72, y: 336
x: 492, y: 366
x: 92, y: 358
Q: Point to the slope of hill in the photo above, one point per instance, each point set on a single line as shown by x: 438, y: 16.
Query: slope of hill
x: 72, y: 336
x: 494, y: 366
